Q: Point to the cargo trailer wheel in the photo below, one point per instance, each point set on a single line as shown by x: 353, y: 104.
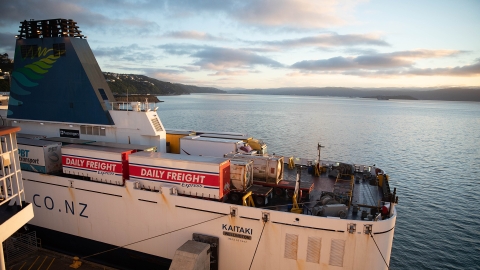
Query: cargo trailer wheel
x: 290, y: 193
x: 278, y: 191
x: 235, y: 197
x: 259, y: 200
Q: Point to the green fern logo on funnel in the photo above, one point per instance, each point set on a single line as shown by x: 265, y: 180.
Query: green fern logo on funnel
x: 27, y: 76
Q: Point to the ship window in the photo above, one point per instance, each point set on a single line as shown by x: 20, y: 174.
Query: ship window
x: 103, y: 94
x: 29, y: 51
x: 93, y: 130
x: 59, y: 49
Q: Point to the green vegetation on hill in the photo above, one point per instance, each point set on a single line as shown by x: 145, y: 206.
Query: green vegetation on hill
x: 197, y: 89
x: 5, y: 66
x: 140, y: 84
x: 4, y: 86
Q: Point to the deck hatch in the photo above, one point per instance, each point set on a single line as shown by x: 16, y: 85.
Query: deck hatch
x: 313, y: 249
x: 336, y: 252
x: 291, y: 246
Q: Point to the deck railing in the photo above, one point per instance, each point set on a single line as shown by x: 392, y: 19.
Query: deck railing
x: 132, y: 106
x: 11, y: 184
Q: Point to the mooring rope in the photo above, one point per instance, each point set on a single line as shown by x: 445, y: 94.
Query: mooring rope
x: 264, y: 223
x: 118, y: 247
x: 388, y: 267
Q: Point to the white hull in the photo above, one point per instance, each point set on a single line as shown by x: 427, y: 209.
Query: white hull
x: 120, y: 215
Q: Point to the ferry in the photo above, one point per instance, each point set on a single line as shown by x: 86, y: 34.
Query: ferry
x: 108, y: 183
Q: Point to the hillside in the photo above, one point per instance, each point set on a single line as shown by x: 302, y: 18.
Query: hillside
x: 140, y: 84
x: 5, y: 66
x: 136, y: 84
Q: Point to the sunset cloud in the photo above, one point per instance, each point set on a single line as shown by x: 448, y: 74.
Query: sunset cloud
x: 231, y: 73
x: 132, y: 52
x: 7, y: 42
x: 293, y: 14
x: 386, y: 65
x: 191, y: 35
x: 329, y: 40
x: 225, y: 41
x: 373, y: 61
x: 15, y: 11
x: 220, y: 58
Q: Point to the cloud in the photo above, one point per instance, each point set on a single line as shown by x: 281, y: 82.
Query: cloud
x: 220, y: 58
x: 330, y: 40
x: 132, y: 52
x: 13, y: 12
x: 7, y: 43
x: 179, y: 49
x: 217, y: 58
x: 289, y: 13
x: 400, y: 59
x: 231, y: 73
x: 294, y: 14
x: 458, y: 71
x: 347, y: 63
x: 187, y: 68
x: 467, y: 70
x: 191, y: 35
x: 422, y: 53
x: 359, y: 51
x: 400, y: 63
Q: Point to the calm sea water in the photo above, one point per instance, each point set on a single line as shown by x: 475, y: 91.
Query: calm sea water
x: 430, y: 149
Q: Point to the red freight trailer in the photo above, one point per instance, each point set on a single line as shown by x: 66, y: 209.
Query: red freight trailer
x: 206, y: 177
x: 104, y: 164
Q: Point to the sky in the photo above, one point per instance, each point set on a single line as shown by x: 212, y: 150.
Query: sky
x: 273, y: 43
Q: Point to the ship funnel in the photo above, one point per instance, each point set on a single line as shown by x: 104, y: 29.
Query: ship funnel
x: 56, y: 76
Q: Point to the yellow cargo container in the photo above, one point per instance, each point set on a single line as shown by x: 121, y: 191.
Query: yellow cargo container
x: 381, y: 178
x: 173, y: 138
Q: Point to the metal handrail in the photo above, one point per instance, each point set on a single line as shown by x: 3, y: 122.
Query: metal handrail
x: 11, y: 184
x: 132, y: 106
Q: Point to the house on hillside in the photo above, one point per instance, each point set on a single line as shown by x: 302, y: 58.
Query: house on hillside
x: 4, y: 59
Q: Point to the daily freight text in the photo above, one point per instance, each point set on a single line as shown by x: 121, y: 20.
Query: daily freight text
x: 90, y: 164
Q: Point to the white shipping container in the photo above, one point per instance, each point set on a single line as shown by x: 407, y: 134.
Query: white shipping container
x: 206, y: 177
x: 241, y: 174
x: 104, y: 164
x: 267, y: 168
x: 212, y: 147
x: 39, y: 156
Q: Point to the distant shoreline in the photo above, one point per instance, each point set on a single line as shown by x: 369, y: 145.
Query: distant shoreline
x: 445, y: 94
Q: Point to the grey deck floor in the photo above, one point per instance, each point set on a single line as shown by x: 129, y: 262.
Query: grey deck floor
x: 44, y: 259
